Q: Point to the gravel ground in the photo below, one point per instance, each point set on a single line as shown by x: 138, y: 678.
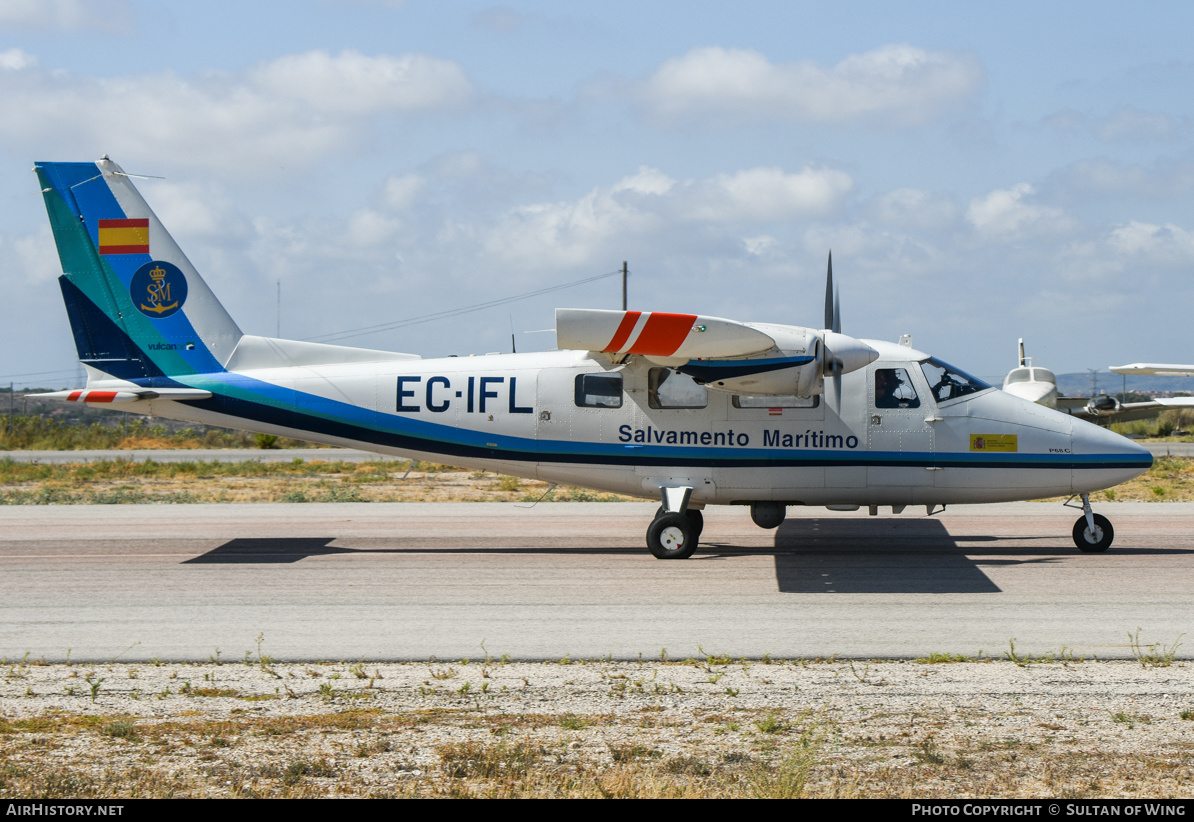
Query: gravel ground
x: 710, y: 727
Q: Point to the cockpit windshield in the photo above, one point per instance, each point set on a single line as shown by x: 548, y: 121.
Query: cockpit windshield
x: 947, y: 382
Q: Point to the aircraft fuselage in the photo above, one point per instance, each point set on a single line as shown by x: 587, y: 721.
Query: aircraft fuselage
x: 526, y: 415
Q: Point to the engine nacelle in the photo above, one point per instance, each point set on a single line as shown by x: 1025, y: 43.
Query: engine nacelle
x: 1103, y: 405
x: 796, y: 366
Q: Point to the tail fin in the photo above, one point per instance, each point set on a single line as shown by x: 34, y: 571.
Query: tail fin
x: 137, y: 307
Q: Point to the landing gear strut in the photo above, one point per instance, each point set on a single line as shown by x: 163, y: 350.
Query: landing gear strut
x: 1092, y: 532
x: 676, y: 529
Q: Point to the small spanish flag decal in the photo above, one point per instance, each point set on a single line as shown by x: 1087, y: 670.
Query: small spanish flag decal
x: 993, y: 442
x: 124, y: 236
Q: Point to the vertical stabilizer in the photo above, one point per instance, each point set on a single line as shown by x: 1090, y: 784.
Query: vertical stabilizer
x: 137, y: 307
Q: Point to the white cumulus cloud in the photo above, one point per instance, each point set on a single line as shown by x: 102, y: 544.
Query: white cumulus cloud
x: 290, y: 110
x: 903, y: 82
x: 97, y: 15
x: 769, y: 194
x: 1011, y: 213
x: 1164, y: 244
x: 353, y: 82
x: 650, y: 204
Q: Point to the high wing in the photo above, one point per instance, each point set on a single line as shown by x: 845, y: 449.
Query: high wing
x: 1157, y: 368
x: 724, y: 355
x: 1105, y: 408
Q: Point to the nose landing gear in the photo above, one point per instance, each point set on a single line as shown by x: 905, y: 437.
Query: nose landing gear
x: 1092, y: 532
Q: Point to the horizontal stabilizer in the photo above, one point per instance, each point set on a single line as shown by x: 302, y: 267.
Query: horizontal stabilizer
x: 656, y: 334
x: 131, y: 394
x: 265, y: 352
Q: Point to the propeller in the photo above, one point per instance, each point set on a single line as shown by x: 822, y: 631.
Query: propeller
x: 842, y: 354
x: 833, y: 314
x: 833, y: 323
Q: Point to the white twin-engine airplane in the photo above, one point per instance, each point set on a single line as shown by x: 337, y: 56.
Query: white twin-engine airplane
x: 686, y: 409
x: 1036, y: 384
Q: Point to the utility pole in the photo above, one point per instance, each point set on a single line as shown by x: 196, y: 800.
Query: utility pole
x: 624, y: 275
x: 278, y: 327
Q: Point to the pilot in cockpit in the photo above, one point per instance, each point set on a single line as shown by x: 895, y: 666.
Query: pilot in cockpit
x: 892, y: 389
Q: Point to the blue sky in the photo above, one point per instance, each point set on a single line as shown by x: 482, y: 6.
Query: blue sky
x: 980, y: 172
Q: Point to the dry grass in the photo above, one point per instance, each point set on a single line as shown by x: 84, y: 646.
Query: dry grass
x: 1171, y: 479
x: 1024, y: 737
x: 203, y: 481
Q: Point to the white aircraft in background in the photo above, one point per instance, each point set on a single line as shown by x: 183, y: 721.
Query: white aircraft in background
x: 1039, y: 385
x: 686, y: 409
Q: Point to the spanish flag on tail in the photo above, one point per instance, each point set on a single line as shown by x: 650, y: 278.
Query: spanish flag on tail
x: 124, y: 236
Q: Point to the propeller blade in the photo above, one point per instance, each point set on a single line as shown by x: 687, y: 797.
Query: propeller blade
x: 830, y: 311
x: 833, y: 322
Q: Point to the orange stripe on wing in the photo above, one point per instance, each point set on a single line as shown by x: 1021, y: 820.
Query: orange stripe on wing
x: 623, y: 332
x: 663, y: 334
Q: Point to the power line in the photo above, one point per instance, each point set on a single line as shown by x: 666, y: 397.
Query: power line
x: 443, y: 315
x: 61, y: 372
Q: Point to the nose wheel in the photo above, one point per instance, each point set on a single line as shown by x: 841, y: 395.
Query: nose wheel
x: 1096, y: 540
x: 1092, y: 532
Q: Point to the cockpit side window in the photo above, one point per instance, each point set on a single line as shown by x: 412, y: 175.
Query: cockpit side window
x: 949, y: 383
x: 599, y: 390
x: 1019, y: 375
x: 893, y: 389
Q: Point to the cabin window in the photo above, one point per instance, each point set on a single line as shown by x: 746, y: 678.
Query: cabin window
x: 947, y: 382
x: 893, y: 389
x: 599, y: 390
x: 769, y: 401
x: 671, y: 389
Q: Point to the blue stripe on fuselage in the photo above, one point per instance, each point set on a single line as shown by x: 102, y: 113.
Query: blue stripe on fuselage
x: 245, y: 397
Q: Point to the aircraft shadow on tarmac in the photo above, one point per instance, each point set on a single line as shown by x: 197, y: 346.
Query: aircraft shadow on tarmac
x: 268, y: 551
x: 871, y: 556
x: 812, y: 555
x: 878, y: 556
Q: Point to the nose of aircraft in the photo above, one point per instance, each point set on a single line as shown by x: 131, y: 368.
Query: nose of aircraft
x: 1103, y: 459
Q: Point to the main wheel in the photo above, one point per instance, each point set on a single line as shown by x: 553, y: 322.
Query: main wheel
x: 1093, y: 543
x: 671, y: 536
x: 694, y: 514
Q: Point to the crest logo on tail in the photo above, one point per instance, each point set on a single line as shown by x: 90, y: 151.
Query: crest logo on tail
x: 158, y: 289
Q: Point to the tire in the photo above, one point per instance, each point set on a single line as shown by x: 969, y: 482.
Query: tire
x: 671, y: 536
x: 1093, y: 543
x: 694, y: 514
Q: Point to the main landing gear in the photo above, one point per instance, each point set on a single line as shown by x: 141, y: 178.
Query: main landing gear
x: 676, y: 529
x: 1092, y: 532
